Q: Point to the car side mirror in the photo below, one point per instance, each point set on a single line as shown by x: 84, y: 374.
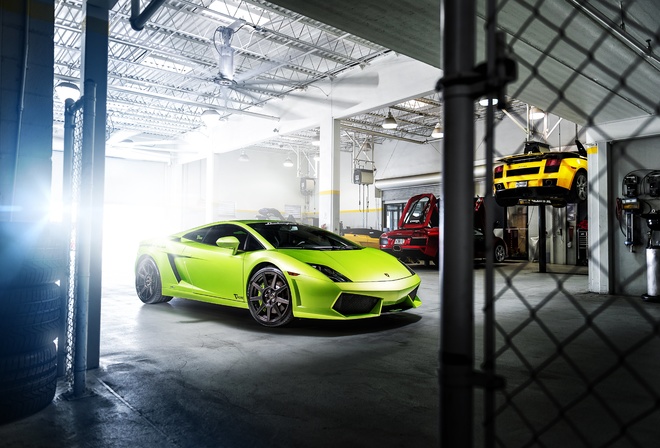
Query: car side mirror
x: 228, y: 242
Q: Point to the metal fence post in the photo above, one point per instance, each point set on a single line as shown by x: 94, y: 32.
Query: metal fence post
x: 83, y: 242
x: 69, y: 129
x: 457, y: 300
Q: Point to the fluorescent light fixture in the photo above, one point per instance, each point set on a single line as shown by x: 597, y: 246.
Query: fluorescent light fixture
x: 288, y: 162
x: 210, y: 117
x: 414, y: 104
x: 484, y: 102
x: 437, y: 132
x: 165, y: 64
x: 66, y: 90
x: 390, y: 122
x: 243, y: 157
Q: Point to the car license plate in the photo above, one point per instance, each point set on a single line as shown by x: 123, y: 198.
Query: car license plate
x: 399, y: 241
x: 520, y: 184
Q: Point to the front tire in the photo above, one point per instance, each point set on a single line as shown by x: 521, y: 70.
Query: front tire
x: 148, y: 284
x: 269, y: 297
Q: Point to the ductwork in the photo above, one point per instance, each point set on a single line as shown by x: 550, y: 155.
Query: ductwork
x: 479, y: 173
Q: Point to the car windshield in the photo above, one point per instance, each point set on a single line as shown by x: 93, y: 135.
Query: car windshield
x: 299, y: 236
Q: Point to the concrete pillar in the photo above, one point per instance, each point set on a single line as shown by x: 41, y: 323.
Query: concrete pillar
x: 598, y: 240
x: 329, y: 174
x: 210, y: 187
x: 26, y: 113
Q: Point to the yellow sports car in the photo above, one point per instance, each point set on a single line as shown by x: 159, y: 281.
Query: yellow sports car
x: 542, y: 176
x: 364, y: 237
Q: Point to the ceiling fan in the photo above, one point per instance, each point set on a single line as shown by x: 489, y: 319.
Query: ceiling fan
x: 247, y: 82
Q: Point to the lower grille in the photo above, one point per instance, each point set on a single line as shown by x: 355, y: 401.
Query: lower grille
x: 349, y: 304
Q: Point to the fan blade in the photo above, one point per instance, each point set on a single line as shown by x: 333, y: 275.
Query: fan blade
x: 259, y: 70
x: 362, y: 80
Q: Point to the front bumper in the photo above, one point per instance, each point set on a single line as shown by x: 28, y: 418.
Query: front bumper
x: 344, y: 301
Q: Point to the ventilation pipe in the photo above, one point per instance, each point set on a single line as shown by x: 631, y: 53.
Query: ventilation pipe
x: 138, y: 19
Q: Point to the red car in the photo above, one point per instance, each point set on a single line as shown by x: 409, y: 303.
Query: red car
x: 417, y: 238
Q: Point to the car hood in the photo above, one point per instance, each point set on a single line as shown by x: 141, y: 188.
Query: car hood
x: 359, y: 265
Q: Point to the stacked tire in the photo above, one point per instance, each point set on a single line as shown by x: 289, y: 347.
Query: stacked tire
x: 31, y: 264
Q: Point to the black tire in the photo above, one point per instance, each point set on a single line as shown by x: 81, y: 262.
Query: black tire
x: 31, y: 254
x: 29, y: 317
x: 579, y: 188
x: 269, y: 297
x: 28, y: 382
x: 499, y: 253
x: 148, y: 284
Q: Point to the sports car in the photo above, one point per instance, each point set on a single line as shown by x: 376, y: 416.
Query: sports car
x: 363, y: 237
x: 417, y: 238
x: 277, y: 270
x: 542, y: 176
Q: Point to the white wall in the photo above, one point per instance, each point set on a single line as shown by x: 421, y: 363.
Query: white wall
x: 240, y: 188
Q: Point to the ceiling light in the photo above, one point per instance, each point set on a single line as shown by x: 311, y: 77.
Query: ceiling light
x: 390, y: 122
x: 66, y: 90
x: 243, y: 157
x: 484, y: 102
x: 288, y: 162
x: 316, y: 141
x: 210, y: 117
x: 437, y: 132
x: 536, y: 114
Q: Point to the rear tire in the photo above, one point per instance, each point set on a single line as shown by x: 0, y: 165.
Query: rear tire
x: 499, y: 253
x: 579, y: 187
x: 148, y: 284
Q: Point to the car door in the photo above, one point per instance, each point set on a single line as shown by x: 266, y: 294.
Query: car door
x: 213, y: 271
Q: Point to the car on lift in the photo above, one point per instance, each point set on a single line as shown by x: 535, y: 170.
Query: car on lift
x: 278, y: 270
x: 540, y: 175
x: 417, y: 238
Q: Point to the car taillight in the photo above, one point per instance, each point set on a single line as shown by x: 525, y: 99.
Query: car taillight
x: 552, y: 165
x: 498, y: 172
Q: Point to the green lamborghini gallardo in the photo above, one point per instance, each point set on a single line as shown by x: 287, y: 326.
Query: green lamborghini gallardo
x: 277, y: 270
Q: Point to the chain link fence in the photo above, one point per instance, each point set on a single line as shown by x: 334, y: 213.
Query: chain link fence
x: 572, y: 367
x: 78, y: 163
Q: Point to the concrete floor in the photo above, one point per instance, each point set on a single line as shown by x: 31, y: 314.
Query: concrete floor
x: 188, y: 374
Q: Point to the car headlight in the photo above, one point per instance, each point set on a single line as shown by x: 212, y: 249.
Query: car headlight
x: 330, y: 273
